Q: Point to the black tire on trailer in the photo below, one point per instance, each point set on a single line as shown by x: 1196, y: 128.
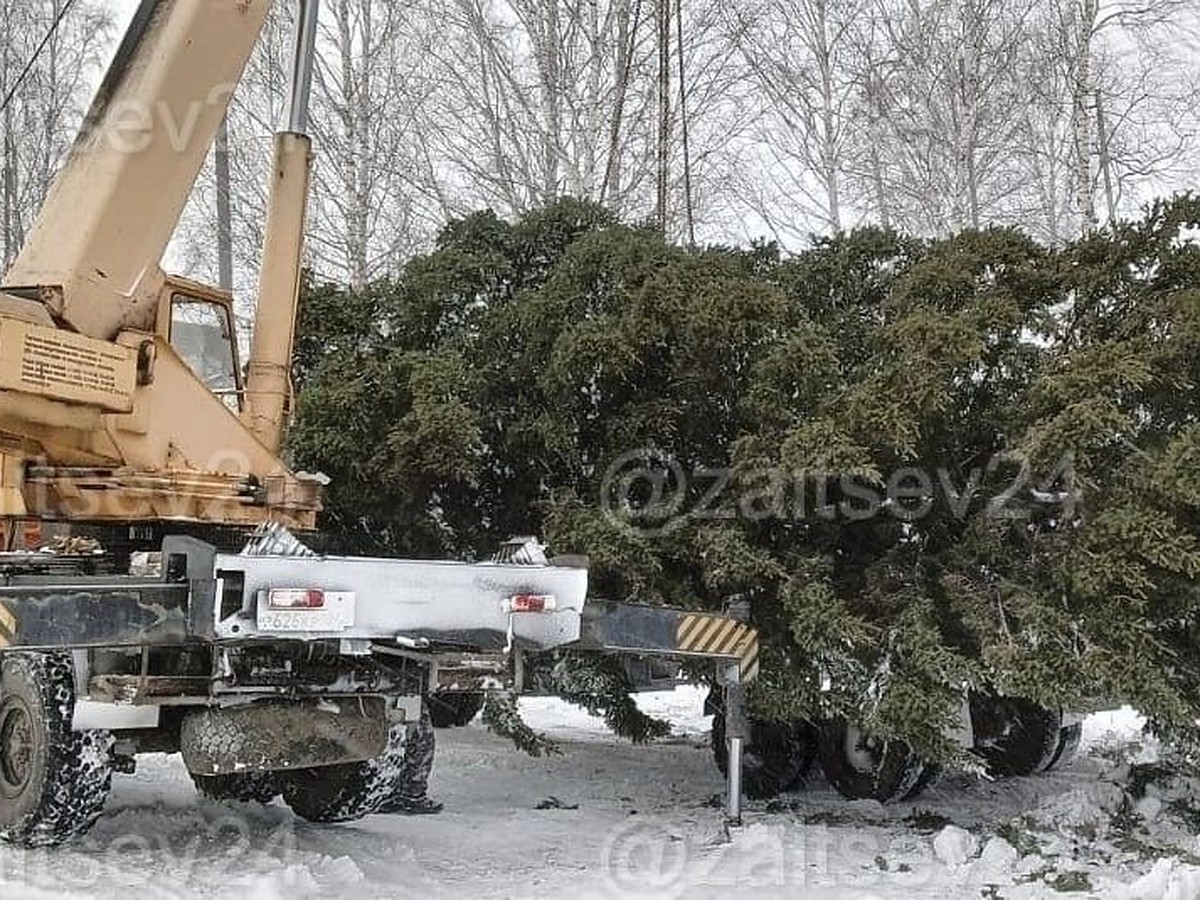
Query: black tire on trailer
x: 53, y: 781
x: 454, y: 709
x: 775, y: 759
x: 863, y: 767
x: 349, y: 791
x: 1015, y: 736
x: 248, y: 787
x: 929, y: 775
x: 1068, y: 745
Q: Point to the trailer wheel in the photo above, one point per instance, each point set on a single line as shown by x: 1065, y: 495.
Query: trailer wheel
x: 774, y: 760
x: 1068, y: 745
x: 863, y: 767
x: 454, y: 709
x: 252, y: 787
x: 1014, y: 736
x: 349, y: 791
x: 53, y: 781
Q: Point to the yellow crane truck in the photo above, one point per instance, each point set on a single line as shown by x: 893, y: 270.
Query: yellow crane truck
x: 123, y: 414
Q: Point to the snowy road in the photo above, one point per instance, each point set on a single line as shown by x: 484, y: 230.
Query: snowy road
x: 643, y: 827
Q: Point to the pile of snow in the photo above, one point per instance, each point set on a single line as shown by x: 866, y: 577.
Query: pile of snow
x: 1168, y: 880
x: 954, y: 846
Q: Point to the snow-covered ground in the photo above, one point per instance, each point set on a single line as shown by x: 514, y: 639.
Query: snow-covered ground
x: 617, y: 820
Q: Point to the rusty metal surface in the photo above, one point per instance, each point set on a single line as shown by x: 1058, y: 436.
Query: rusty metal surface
x: 97, y: 495
x: 92, y: 613
x: 473, y: 672
x: 142, y: 689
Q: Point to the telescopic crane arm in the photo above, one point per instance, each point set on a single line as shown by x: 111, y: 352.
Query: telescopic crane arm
x: 110, y: 215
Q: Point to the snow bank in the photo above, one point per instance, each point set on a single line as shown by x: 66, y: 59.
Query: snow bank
x: 640, y: 821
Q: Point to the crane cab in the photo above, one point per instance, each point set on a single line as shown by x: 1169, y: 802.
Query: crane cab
x: 199, y: 323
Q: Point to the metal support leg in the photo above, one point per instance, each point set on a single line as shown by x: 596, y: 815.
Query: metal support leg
x: 737, y: 723
x: 736, y: 730
x: 733, y: 807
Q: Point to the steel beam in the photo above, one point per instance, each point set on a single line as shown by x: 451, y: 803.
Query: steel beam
x: 93, y: 613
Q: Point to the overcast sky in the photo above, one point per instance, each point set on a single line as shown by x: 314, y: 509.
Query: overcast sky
x: 123, y: 11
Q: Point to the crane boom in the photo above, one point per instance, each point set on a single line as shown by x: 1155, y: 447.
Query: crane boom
x: 103, y: 229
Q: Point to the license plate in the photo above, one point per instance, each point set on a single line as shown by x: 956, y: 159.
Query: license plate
x: 337, y: 615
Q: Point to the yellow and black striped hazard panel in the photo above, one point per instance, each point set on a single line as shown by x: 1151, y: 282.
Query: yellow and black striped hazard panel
x: 8, y: 627
x: 720, y: 636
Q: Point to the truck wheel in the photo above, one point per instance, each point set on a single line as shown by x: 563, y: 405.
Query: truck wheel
x: 454, y: 709
x: 53, y: 781
x: 346, y: 792
x: 862, y: 767
x: 252, y: 787
x: 1068, y: 745
x: 774, y: 760
x: 1014, y: 736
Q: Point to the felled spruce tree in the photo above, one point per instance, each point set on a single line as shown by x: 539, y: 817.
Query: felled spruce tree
x: 944, y: 465
x: 1117, y: 397
x: 891, y: 411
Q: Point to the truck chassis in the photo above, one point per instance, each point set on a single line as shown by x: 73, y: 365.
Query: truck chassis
x: 278, y: 664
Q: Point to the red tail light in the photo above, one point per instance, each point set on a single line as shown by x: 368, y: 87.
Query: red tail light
x: 530, y: 603
x: 296, y: 599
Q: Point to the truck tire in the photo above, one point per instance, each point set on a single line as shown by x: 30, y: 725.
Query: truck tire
x: 412, y: 779
x: 250, y: 787
x: 862, y: 767
x: 454, y: 709
x: 53, y: 781
x: 1015, y: 736
x: 1068, y: 745
x: 774, y: 760
x: 347, y: 792
x: 285, y: 736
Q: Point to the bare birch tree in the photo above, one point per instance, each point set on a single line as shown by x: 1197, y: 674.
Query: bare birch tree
x: 945, y: 92
x: 536, y: 99
x: 1114, y: 94
x: 802, y: 55
x: 39, y: 123
x: 373, y: 203
x: 801, y: 116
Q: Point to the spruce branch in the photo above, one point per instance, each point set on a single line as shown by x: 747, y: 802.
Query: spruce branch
x: 501, y: 716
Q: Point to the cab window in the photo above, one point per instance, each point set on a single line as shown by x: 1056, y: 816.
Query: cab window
x: 202, y: 334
